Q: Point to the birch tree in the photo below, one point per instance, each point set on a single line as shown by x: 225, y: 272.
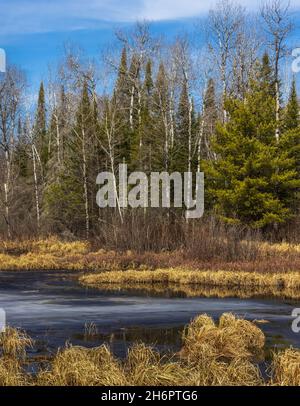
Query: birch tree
x: 11, y: 91
x: 278, y: 25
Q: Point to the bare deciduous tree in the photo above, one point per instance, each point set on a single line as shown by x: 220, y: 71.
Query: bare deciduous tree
x: 224, y: 28
x: 11, y: 89
x: 277, y: 18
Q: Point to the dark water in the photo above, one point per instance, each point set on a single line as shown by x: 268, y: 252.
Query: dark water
x: 53, y: 308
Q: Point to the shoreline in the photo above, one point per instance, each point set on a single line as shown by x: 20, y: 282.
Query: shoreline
x: 194, y: 283
x: 276, y: 272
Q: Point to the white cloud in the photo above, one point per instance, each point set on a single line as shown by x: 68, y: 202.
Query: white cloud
x: 172, y: 9
x: 31, y: 16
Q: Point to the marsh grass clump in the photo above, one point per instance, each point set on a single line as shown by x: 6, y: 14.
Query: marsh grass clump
x: 212, y: 355
x: 11, y: 373
x: 146, y: 367
x: 52, y: 245
x: 78, y: 366
x: 13, y: 345
x: 208, y: 371
x: 285, y: 368
x: 14, y: 342
x: 232, y: 338
x: 55, y: 246
x: 253, y: 338
x: 222, y: 354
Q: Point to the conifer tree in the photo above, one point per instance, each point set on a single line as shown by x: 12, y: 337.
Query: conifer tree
x: 21, y: 152
x: 121, y: 105
x: 135, y: 111
x: 72, y: 193
x: 265, y: 76
x: 146, y: 124
x: 291, y: 115
x: 253, y: 181
x: 290, y: 138
x: 208, y: 120
x: 40, y: 130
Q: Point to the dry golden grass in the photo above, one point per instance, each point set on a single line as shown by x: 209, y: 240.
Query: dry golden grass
x: 13, y: 343
x: 285, y: 284
x: 52, y: 253
x: 77, y: 366
x: 43, y: 254
x: 286, y: 368
x: 212, y: 354
x: 146, y: 367
x: 210, y: 372
x: 232, y: 338
x: 11, y: 373
x: 244, y: 292
x: 282, y: 248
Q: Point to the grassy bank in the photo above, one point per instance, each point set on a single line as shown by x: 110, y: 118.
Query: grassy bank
x: 212, y: 354
x: 251, y: 283
x: 274, y: 270
x: 184, y: 290
x: 52, y: 253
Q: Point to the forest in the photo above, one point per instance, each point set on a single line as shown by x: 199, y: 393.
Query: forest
x: 221, y: 100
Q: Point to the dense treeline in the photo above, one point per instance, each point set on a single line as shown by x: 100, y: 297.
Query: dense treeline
x: 157, y: 107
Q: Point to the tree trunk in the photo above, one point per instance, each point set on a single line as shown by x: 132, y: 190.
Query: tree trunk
x: 36, y: 189
x: 85, y: 188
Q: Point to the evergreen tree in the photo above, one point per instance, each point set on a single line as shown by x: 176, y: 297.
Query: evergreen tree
x: 291, y: 116
x: 208, y: 119
x: 253, y: 181
x: 71, y: 196
x: 122, y: 73
x: 40, y: 130
x: 265, y: 78
x: 147, y: 124
x: 148, y: 83
x: 21, y: 152
x: 121, y: 105
x: 135, y: 111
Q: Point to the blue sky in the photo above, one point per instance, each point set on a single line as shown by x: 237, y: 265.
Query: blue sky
x: 33, y: 32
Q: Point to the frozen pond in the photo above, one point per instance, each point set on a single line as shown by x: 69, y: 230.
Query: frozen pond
x: 53, y: 308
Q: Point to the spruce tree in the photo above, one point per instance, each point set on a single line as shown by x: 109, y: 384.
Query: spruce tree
x: 22, y: 152
x: 265, y: 78
x: 69, y: 200
x: 121, y: 105
x: 208, y: 120
x: 40, y: 130
x: 291, y: 116
x: 135, y: 110
x: 253, y: 181
x: 147, y: 124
